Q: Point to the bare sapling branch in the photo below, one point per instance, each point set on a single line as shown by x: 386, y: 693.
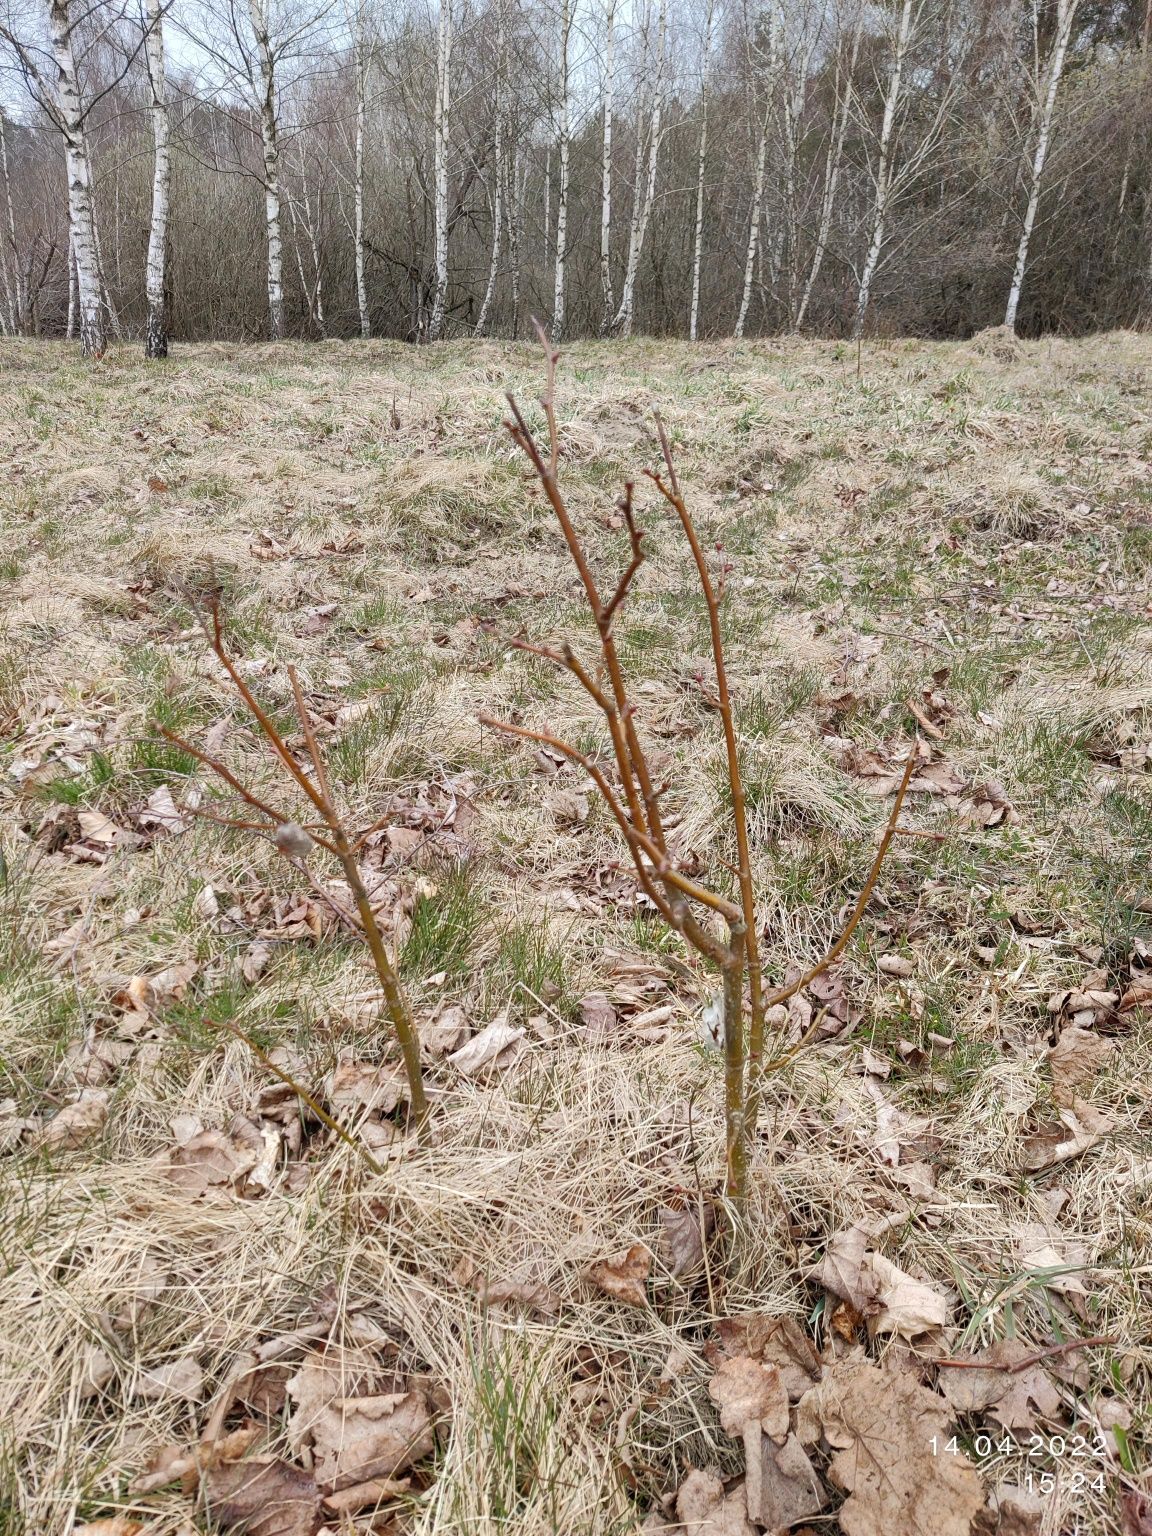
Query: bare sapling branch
x: 672, y: 495
x: 687, y: 905
x: 635, y: 807
x: 296, y: 842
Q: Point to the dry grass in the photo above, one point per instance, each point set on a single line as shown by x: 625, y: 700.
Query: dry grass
x: 959, y: 509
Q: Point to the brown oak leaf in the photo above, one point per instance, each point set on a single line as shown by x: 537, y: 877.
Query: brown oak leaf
x: 623, y: 1275
x: 890, y: 1440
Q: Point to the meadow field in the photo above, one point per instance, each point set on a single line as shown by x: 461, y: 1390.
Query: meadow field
x: 216, y: 1312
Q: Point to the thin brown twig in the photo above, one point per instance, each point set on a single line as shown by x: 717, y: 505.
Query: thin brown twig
x: 340, y: 846
x: 863, y: 899
x: 1050, y: 1351
x: 636, y: 536
x: 310, y: 741
x: 263, y: 719
x: 546, y: 471
x: 222, y: 771
x: 637, y: 840
x: 298, y: 1088
x: 671, y: 494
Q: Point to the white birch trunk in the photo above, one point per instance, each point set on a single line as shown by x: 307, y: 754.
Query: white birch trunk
x: 795, y: 100
x: 358, y: 195
x: 312, y: 229
x: 14, y: 286
x: 548, y: 203
x: 607, y: 302
x: 832, y: 169
x: 156, y: 341
x: 884, y: 169
x: 1065, y: 16
x: 270, y: 139
x: 559, y: 293
x: 498, y: 188
x: 73, y: 323
x: 754, y: 224
x: 643, y: 196
x: 515, y: 199
x: 441, y: 130
x: 81, y: 218
x: 701, y: 158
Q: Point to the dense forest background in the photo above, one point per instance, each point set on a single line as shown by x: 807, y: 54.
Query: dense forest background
x: 674, y: 167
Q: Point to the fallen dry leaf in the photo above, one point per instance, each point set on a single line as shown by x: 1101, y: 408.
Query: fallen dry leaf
x: 1079, y: 1128
x: 895, y: 965
x: 704, y: 1509
x: 1076, y: 1058
x: 908, y: 1307
x: 326, y: 1375
x: 116, y: 1525
x: 178, y: 1379
x: 1016, y: 1398
x: 682, y: 1238
x: 444, y: 1033
x: 1137, y: 1508
x: 254, y: 961
x: 987, y: 805
x: 355, y: 1439
x: 918, y: 1179
x: 881, y: 1425
x: 361, y: 1087
x: 749, y: 1391
x: 842, y: 1269
x: 789, y: 1489
x: 598, y: 1017
x: 1062, y: 1259
x: 496, y: 1046
x: 162, y: 812
x: 1012, y: 1511
x: 780, y: 1341
x: 263, y: 1497
x: 570, y: 807
x: 98, y: 828
x: 96, y: 1371
x: 623, y: 1275
x: 521, y: 1292
x: 76, y: 1123
x: 208, y: 1159
x: 366, y: 1495
x: 186, y: 1464
x: 206, y: 904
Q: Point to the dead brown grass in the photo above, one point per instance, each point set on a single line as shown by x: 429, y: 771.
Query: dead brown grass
x: 877, y: 538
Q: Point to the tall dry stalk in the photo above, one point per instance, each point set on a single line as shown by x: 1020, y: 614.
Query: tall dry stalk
x: 296, y: 842
x: 634, y: 801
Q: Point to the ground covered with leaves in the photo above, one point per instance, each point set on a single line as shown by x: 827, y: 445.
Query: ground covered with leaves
x: 215, y: 1314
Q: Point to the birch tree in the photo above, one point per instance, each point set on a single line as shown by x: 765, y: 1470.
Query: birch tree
x: 268, y: 105
x: 607, y: 305
x: 361, y: 64
x: 834, y: 160
x: 644, y: 183
x: 305, y: 209
x: 156, y: 339
x: 901, y: 157
x: 885, y: 166
x: 757, y: 211
x: 62, y: 101
x: 559, y: 292
x: 442, y: 139
x: 499, y: 179
x: 1049, y: 86
x: 15, y: 290
x: 798, y: 48
x: 701, y: 161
